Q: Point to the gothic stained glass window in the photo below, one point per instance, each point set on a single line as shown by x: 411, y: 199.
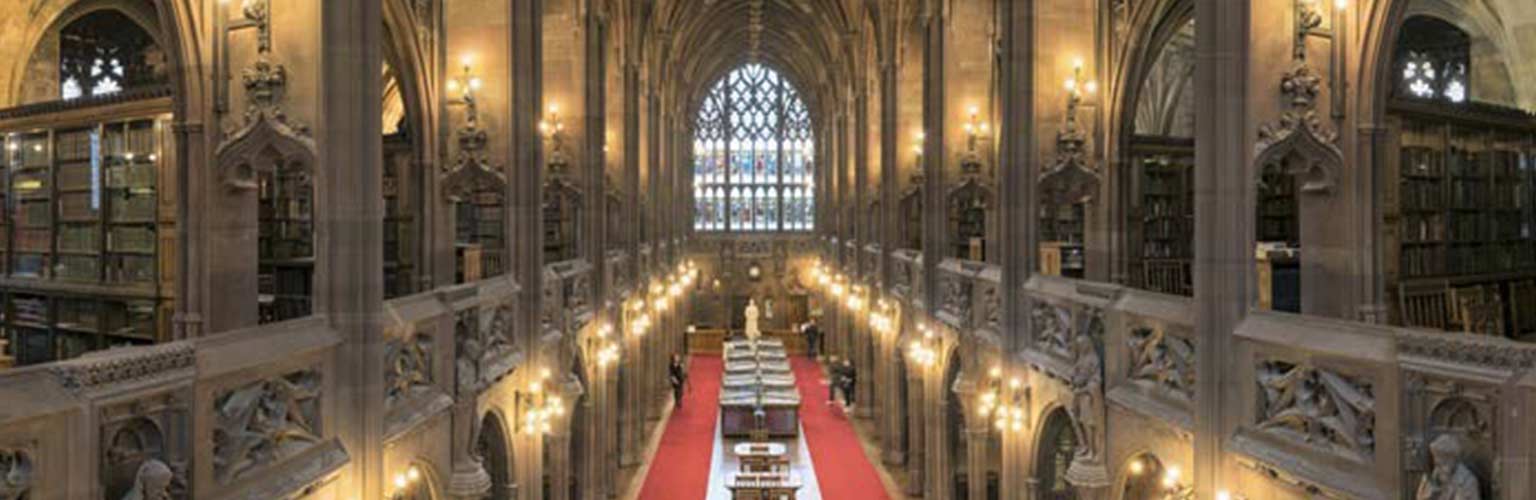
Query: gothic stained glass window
x: 1433, y: 58
x: 753, y: 155
x: 105, y: 52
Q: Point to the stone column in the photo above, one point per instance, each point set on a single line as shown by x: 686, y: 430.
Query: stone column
x: 917, y: 425
x: 1018, y: 200
x: 978, y: 435
x: 1224, y: 217
x: 468, y: 480
x: 559, y: 445
x: 935, y: 220
x: 350, y: 237
x: 523, y: 221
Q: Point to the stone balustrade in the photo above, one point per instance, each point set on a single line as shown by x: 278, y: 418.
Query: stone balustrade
x: 264, y: 399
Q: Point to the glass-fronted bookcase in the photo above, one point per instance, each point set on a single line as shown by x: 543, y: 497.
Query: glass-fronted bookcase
x: 86, y: 232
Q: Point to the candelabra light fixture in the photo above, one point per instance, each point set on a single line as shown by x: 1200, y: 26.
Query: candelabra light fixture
x: 1003, y: 403
x: 880, y: 318
x: 542, y: 407
x: 924, y: 350
x: 602, y: 347
x: 975, y: 129
x: 553, y: 129
x: 405, y: 482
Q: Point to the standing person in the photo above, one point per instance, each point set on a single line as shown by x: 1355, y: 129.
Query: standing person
x: 677, y: 375
x: 834, y: 379
x: 812, y: 338
x: 850, y: 378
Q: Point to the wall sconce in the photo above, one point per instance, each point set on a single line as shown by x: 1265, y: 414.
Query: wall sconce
x: 855, y: 301
x: 1173, y: 485
x: 975, y: 129
x: 466, y: 83
x: 554, y: 132
x: 601, y: 348
x: 1077, y: 87
x: 1004, y: 404
x: 924, y: 351
x: 754, y: 272
x: 543, y: 407
x: 405, y: 482
x: 640, y: 324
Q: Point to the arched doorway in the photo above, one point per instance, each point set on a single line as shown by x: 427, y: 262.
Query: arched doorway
x: 954, y: 428
x: 1053, y: 455
x: 1143, y: 479
x: 491, y: 447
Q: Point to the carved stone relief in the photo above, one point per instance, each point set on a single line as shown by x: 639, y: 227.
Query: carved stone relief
x: 1450, y: 479
x: 1053, y: 328
x: 1318, y: 407
x: 1439, y: 408
x: 264, y: 422
x: 15, y: 473
x: 1167, y: 362
x: 955, y: 296
x: 142, y: 448
x: 408, y: 367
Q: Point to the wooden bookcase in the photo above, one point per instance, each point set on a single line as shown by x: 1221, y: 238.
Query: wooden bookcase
x: 83, y: 229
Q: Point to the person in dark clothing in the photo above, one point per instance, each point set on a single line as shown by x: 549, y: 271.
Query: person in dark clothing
x: 677, y: 375
x: 812, y: 339
x: 834, y: 379
x: 849, y: 378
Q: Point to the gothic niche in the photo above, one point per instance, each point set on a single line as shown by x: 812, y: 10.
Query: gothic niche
x: 264, y: 422
x: 15, y: 474
x: 273, y: 157
x: 408, y: 367
x: 1166, y: 362
x: 1448, y: 410
x: 139, y: 460
x: 1317, y: 407
x: 970, y: 211
x: 562, y: 208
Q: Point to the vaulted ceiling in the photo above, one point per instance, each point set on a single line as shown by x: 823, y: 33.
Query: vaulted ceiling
x: 805, y: 40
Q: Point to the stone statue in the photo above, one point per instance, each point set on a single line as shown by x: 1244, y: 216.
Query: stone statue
x: 751, y: 313
x: 1087, y: 469
x: 152, y: 482
x: 1450, y: 479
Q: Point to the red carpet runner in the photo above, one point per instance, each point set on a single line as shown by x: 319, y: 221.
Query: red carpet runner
x: 680, y: 468
x: 842, y: 470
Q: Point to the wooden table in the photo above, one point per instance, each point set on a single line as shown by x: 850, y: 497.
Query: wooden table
x: 762, y: 457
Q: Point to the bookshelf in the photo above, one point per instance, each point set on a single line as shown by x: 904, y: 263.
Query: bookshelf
x: 1163, y: 219
x: 399, y: 223
x: 480, y: 243
x: 285, y: 243
x: 79, y: 240
x: 1460, y: 213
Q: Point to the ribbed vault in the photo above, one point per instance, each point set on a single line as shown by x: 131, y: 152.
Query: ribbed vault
x: 802, y: 39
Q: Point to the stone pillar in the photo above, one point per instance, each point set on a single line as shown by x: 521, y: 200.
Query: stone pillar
x: 917, y: 452
x: 523, y: 221
x: 468, y: 479
x: 978, y: 460
x: 935, y: 220
x: 1224, y: 217
x: 1018, y: 201
x: 349, y: 236
x: 559, y: 445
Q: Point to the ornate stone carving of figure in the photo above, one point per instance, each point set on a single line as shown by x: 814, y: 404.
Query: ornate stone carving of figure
x: 1087, y: 373
x: 1450, y: 479
x: 751, y: 313
x: 152, y: 482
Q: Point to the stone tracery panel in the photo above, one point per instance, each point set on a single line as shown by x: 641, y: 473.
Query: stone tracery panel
x: 1318, y: 407
x: 264, y: 422
x: 1164, y: 361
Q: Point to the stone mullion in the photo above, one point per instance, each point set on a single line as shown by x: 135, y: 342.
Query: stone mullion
x: 1019, y: 225
x: 350, y: 239
x: 1224, y: 238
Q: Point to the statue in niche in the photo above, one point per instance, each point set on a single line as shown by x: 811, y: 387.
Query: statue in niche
x: 751, y: 314
x: 152, y: 482
x: 1450, y: 479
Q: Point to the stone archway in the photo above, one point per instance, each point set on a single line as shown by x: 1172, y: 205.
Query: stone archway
x: 491, y: 448
x: 1054, y: 452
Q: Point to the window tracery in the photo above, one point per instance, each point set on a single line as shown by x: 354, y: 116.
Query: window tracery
x: 105, y: 52
x: 1433, y: 57
x: 753, y: 155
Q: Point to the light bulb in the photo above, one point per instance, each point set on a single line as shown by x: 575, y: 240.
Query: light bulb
x: 413, y: 473
x: 1137, y: 468
x: 1223, y: 495
x: 400, y: 481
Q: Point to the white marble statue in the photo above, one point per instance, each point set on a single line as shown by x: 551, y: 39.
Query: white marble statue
x: 751, y: 313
